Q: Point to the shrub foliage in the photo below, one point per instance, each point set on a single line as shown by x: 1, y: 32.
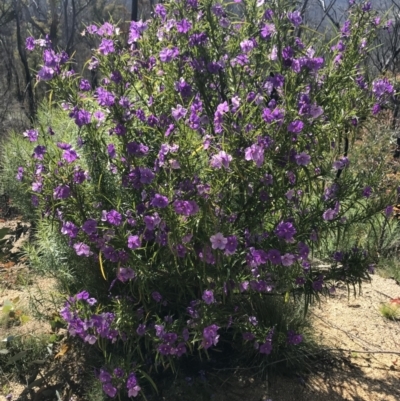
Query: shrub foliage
x: 202, y: 175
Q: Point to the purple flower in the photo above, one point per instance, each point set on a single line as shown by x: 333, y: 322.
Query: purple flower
x: 137, y: 149
x: 37, y: 186
x: 296, y: 126
x: 110, y: 390
x: 277, y: 115
x: 266, y: 348
x: 248, y: 336
x: 376, y: 108
x: 89, y: 227
x: 104, y: 98
x: 288, y: 259
x: 218, y: 241
x: 132, y: 385
x: 39, y: 152
x: 20, y: 174
x: 218, y: 10
x: 221, y: 159
x: 156, y: 296
x: 164, y: 349
x: 114, y: 218
x: 255, y: 153
x: 30, y: 43
x: 389, y: 211
x: 125, y: 274
x: 159, y: 330
x: 151, y: 222
x: 118, y: 372
x: 134, y: 242
x: 247, y: 45
x: 104, y: 376
x: 318, y: 284
x: 198, y: 39
x: 185, y: 208
x: 367, y: 192
x: 231, y: 245
x: 135, y: 30
x: 82, y: 117
x: 183, y: 26
x: 160, y: 11
x: 82, y: 249
x: 180, y: 349
x: 367, y: 6
x: 61, y: 192
x: 70, y: 155
x: 330, y: 192
x: 70, y: 229
x: 274, y: 256
x: 31, y: 134
x: 84, y: 85
x: 208, y: 297
x: 185, y: 334
x: 285, y: 231
x: 341, y: 164
x: 267, y: 31
x: 183, y: 88
x: 295, y: 17
x: 106, y: 47
x: 159, y: 201
x: 170, y: 338
x: 338, y: 256
x: 253, y: 320
x: 382, y: 87
x: 111, y: 151
x: 331, y: 213
x: 141, y: 330
x: 315, y: 111
x: 210, y: 336
x: 46, y: 73
x: 303, y: 159
x: 168, y: 54
x: 178, y: 112
x: 256, y: 257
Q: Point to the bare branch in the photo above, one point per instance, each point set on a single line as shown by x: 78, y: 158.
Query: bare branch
x: 326, y: 11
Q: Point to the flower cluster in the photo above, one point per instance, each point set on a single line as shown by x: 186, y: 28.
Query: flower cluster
x: 111, y: 381
x: 83, y: 323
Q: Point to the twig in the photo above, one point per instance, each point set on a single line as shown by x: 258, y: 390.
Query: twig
x: 344, y: 331
x: 379, y: 292
x: 363, y: 352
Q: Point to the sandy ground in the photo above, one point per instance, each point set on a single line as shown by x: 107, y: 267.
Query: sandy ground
x: 352, y: 324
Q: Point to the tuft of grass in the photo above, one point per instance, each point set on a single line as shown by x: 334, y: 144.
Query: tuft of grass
x: 389, y: 267
x: 94, y: 390
x: 12, y: 314
x: 390, y: 311
x: 24, y: 354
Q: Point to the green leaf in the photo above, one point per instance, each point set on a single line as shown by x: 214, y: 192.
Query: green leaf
x: 17, y: 357
x: 24, y: 319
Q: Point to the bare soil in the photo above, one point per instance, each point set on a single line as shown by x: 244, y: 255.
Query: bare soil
x: 368, y: 365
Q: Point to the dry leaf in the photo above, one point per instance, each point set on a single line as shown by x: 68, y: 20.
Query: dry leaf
x: 8, y: 265
x: 63, y: 350
x: 395, y: 301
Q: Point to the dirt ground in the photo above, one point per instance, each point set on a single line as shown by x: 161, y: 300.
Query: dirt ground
x: 370, y: 360
x: 365, y: 347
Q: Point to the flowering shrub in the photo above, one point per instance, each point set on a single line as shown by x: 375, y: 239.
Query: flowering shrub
x: 210, y: 164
